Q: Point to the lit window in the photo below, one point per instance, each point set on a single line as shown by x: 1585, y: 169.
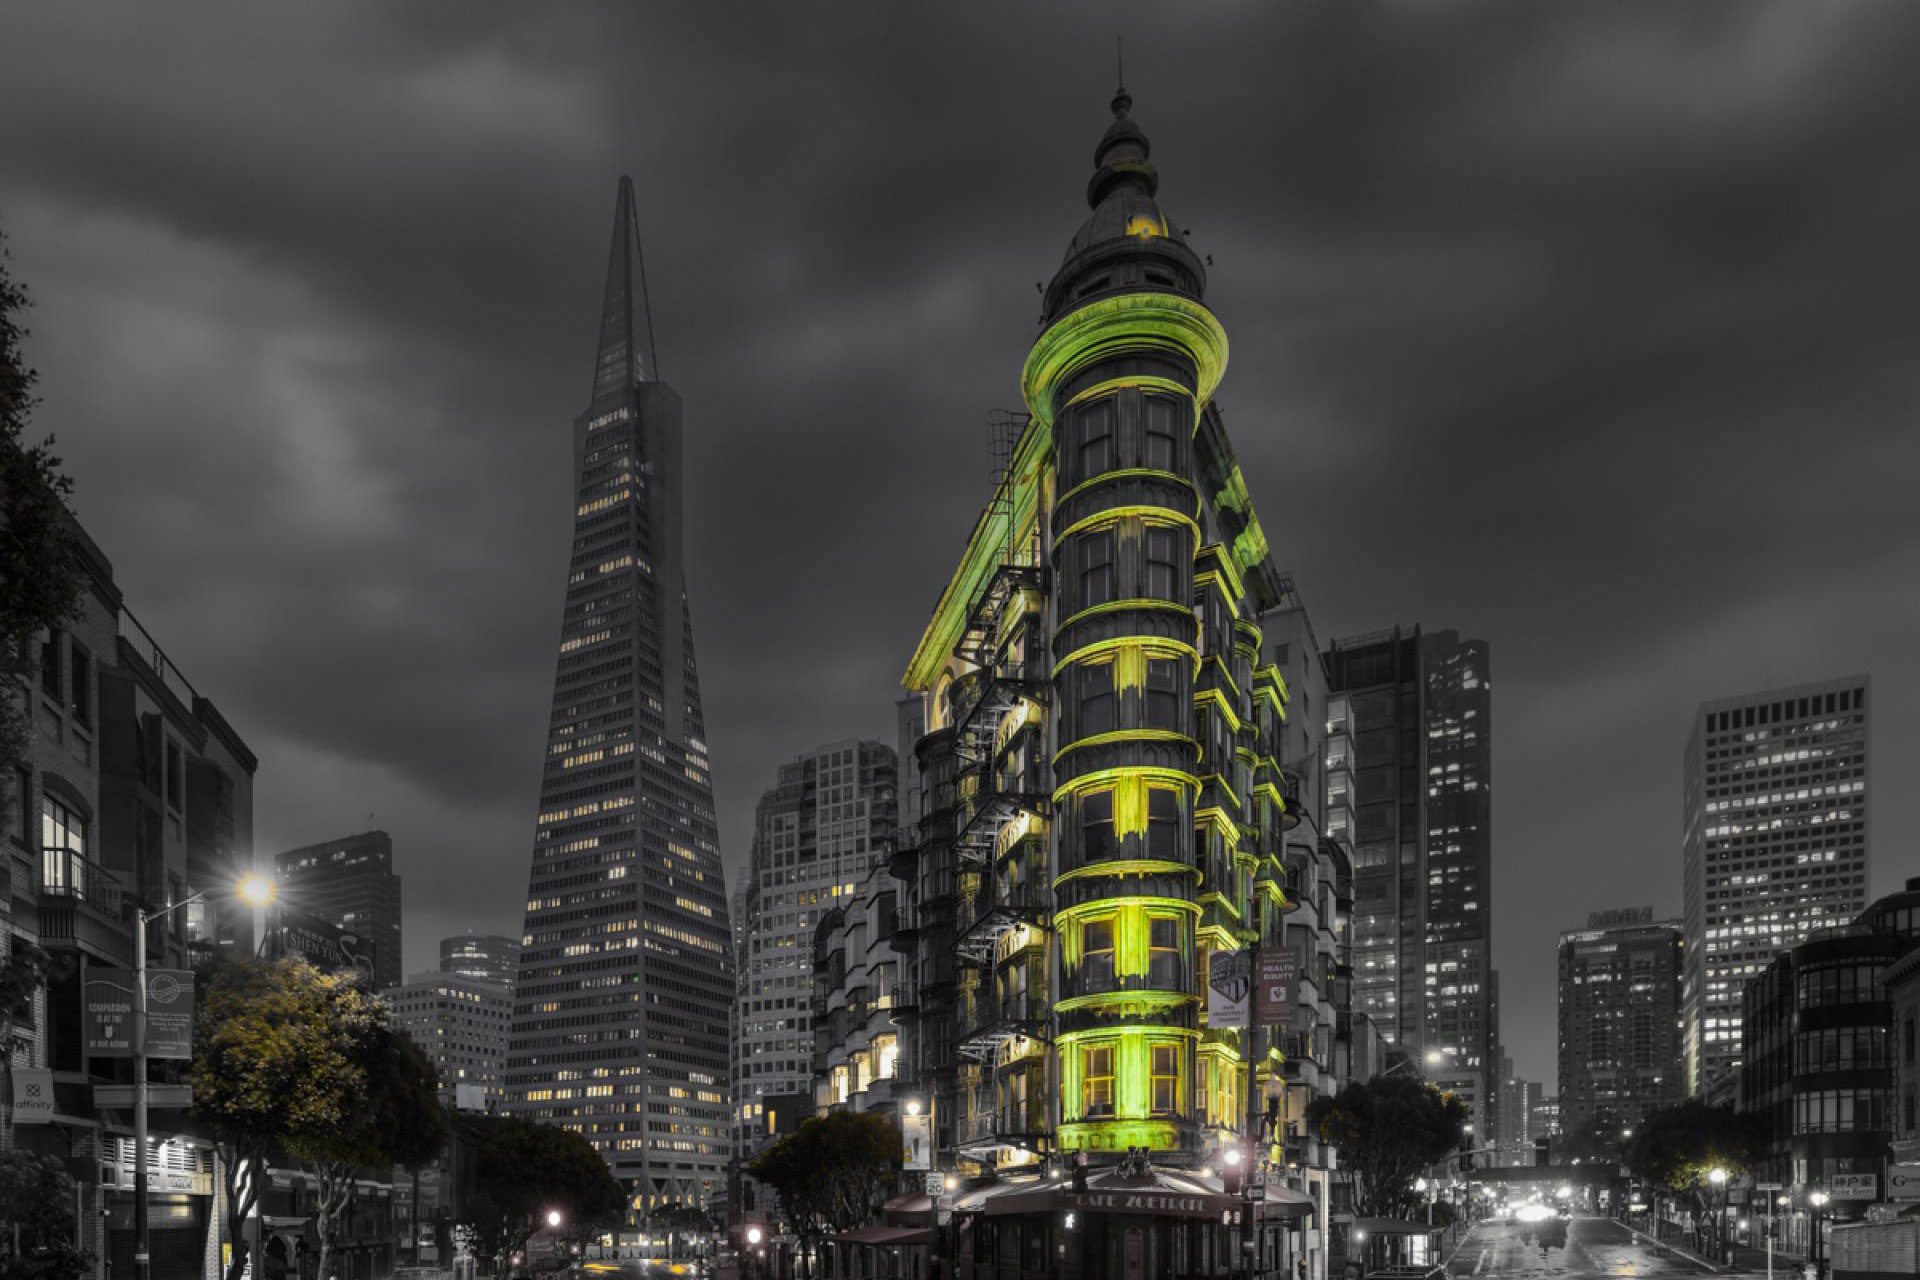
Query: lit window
x: 1164, y: 1078
x: 1096, y: 1082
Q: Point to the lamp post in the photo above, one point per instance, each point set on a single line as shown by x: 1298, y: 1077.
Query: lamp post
x: 253, y: 889
x: 1818, y: 1199
x: 1717, y: 1179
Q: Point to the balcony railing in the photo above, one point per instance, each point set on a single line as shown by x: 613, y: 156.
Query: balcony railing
x: 65, y: 873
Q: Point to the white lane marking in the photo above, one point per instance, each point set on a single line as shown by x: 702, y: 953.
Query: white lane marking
x: 1482, y: 1265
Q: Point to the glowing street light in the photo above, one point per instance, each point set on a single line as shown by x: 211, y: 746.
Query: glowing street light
x: 753, y: 1236
x: 1232, y: 1156
x: 1435, y: 1057
x: 553, y: 1217
x: 913, y: 1106
x: 257, y: 890
x: 1718, y: 1177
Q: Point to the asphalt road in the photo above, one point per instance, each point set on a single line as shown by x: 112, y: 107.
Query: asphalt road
x: 1565, y: 1249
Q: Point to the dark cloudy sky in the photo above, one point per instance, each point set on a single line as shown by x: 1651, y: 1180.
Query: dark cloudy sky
x: 1587, y: 329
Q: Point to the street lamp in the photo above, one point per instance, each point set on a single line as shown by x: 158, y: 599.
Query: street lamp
x: 553, y: 1217
x: 256, y: 890
x: 1818, y: 1199
x: 913, y: 1106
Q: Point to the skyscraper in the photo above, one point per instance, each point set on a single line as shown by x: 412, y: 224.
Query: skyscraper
x: 1417, y: 708
x: 485, y: 956
x: 1775, y: 842
x: 620, y: 1020
x: 817, y: 833
x: 1619, y: 1018
x: 350, y: 883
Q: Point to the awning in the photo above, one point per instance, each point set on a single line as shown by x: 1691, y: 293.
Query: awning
x: 886, y: 1236
x: 1285, y: 1202
x: 1396, y: 1227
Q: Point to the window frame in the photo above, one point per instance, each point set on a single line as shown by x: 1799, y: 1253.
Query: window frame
x: 1158, y: 1079
x: 1090, y: 1081
x: 1090, y: 981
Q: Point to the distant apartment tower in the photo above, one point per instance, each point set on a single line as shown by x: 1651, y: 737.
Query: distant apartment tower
x: 1775, y: 844
x: 1417, y: 708
x: 461, y: 1023
x: 486, y: 956
x: 622, y: 1002
x: 1619, y: 1018
x: 350, y: 883
x: 818, y: 833
x: 1518, y: 1100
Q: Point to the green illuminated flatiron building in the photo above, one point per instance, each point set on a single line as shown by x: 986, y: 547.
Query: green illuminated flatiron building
x: 620, y: 1026
x: 1103, y: 805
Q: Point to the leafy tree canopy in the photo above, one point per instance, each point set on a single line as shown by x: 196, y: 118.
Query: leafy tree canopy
x: 524, y: 1170
x: 36, y: 1220
x: 1388, y: 1130
x: 832, y: 1172
x: 1679, y: 1147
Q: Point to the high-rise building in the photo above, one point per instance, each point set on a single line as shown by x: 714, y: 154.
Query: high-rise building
x: 1417, y: 707
x: 818, y: 832
x: 486, y: 956
x: 461, y: 1023
x: 350, y: 883
x: 1103, y: 791
x: 1513, y: 1145
x: 1775, y: 841
x: 1619, y: 1018
x: 620, y: 1024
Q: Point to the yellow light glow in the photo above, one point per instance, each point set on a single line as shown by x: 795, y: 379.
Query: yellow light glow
x: 257, y: 890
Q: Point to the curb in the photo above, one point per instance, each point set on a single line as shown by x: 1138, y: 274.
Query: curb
x: 1688, y: 1254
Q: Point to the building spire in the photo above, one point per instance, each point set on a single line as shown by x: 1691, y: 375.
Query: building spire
x: 626, y: 323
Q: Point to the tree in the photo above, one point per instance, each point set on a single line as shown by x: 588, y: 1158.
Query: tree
x: 674, y: 1220
x: 1678, y: 1148
x: 832, y: 1172
x: 37, y: 1220
x: 39, y: 560
x: 394, y: 1118
x: 279, y: 1055
x: 1596, y: 1140
x: 525, y: 1170
x: 1388, y: 1130
x: 22, y: 973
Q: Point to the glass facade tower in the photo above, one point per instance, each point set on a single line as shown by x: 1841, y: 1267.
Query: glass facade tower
x: 620, y: 1027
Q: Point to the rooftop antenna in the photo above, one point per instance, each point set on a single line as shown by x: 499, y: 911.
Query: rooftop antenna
x: 1120, y: 61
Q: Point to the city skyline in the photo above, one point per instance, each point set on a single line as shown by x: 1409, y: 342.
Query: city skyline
x: 334, y: 382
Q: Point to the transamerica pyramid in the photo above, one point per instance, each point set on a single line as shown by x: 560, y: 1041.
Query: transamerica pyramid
x: 626, y: 971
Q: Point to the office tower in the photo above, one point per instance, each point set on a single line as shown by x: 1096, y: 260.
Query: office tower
x: 133, y: 793
x: 486, y: 956
x: 1775, y: 841
x: 350, y: 884
x: 1417, y: 707
x: 818, y: 832
x: 1619, y: 1018
x: 1103, y: 795
x: 620, y: 1023
x: 1518, y: 1101
x: 461, y: 1023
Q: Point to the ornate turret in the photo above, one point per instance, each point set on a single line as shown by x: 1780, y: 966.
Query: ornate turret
x: 1127, y: 242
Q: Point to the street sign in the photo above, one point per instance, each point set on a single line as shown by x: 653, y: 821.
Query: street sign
x: 1903, y: 1182
x: 161, y: 1097
x: 1273, y: 986
x: 1854, y: 1186
x: 1229, y: 986
x: 32, y: 1096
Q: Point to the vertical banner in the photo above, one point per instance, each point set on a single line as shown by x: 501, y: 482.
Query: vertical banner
x: 32, y: 1095
x: 170, y: 1014
x: 1277, y: 971
x: 916, y: 1138
x: 108, y: 1031
x: 1229, y: 987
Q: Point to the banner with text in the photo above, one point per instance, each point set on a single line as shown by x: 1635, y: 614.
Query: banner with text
x: 1229, y: 988
x: 1276, y: 972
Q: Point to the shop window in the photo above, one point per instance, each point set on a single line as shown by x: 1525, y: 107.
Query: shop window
x: 1096, y: 1082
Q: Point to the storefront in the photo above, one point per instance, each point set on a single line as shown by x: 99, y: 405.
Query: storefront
x: 1153, y: 1226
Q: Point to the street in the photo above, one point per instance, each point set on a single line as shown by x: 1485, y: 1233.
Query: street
x: 1577, y: 1247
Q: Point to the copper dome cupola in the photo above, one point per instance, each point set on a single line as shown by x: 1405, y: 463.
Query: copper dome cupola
x: 1127, y: 244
